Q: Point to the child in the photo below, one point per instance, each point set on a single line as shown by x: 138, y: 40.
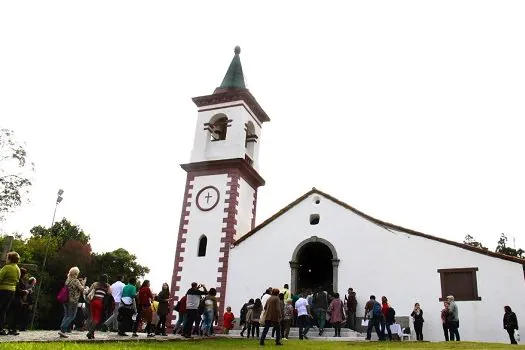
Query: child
x: 228, y: 320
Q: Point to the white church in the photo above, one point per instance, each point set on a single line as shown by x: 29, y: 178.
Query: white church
x: 328, y: 242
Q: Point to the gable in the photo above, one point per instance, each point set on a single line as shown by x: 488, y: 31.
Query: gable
x: 383, y: 224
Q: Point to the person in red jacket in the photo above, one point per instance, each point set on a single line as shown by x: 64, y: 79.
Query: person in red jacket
x: 228, y: 318
x: 181, y: 309
x: 386, y: 321
x: 144, y: 312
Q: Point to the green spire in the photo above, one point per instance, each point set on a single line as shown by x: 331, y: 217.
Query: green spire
x: 234, y: 78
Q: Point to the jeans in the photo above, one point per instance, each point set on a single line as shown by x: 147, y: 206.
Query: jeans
x: 267, y: 326
x: 304, y: 325
x: 320, y: 315
x: 6, y: 296
x: 70, y: 312
x: 286, y: 328
x: 180, y: 323
x: 161, y: 325
x: 253, y: 327
x: 418, y: 327
x: 112, y: 320
x: 511, y: 336
x: 192, y: 316
x: 207, y: 321
x: 386, y: 325
x: 445, y: 330
x: 351, y: 320
x: 453, y: 329
x: 374, y: 323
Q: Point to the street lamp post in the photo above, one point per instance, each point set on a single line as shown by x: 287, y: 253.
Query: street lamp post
x: 59, y: 199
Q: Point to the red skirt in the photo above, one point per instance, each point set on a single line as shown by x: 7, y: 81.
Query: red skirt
x: 97, y: 310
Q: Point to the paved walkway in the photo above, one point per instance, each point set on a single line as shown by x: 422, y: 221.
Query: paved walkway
x: 41, y: 336
x: 80, y: 336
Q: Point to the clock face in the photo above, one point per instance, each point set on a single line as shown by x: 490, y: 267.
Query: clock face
x: 207, y: 198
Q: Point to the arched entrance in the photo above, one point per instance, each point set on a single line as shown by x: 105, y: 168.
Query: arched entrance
x: 314, y: 263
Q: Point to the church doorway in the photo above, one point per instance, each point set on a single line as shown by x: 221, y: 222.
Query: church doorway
x: 314, y: 263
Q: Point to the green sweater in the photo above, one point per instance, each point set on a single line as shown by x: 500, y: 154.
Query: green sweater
x: 129, y: 291
x: 9, y: 277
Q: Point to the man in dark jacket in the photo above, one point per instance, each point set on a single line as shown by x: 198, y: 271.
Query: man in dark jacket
x: 193, y: 299
x: 351, y: 308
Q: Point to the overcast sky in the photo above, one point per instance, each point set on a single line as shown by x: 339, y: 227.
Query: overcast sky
x: 410, y: 111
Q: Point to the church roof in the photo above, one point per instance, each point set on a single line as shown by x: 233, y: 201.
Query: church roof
x: 234, y: 78
x: 378, y: 222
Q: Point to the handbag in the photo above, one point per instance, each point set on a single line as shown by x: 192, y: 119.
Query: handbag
x: 517, y: 335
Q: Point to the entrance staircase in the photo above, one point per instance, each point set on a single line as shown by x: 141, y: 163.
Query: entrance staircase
x: 328, y: 334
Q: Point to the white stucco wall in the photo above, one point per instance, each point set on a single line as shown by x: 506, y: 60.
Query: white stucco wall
x: 234, y: 144
x: 244, y: 208
x: 210, y: 223
x: 374, y: 260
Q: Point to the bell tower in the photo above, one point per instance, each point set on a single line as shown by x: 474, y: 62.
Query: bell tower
x: 220, y: 196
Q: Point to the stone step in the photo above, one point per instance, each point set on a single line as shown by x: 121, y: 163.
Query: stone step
x: 313, y: 333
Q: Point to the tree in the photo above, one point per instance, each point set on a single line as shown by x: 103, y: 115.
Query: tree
x: 63, y: 231
x: 68, y: 246
x: 503, y: 249
x: 469, y: 240
x: 119, y: 262
x: 14, y: 173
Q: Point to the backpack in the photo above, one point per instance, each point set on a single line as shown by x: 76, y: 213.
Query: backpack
x: 376, y: 311
x: 177, y: 307
x: 63, y: 295
x: 391, y: 315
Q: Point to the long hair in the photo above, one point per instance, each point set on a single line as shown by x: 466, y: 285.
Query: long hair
x: 145, y: 284
x: 258, y: 304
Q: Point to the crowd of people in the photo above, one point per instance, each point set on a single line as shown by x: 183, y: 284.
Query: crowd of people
x: 121, y: 307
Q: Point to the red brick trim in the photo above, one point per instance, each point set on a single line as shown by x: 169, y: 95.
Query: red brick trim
x: 231, y: 95
x: 181, y: 239
x: 229, y: 231
x: 225, y: 166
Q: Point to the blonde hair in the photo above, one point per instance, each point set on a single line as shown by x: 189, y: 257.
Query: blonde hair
x: 450, y: 297
x: 13, y: 257
x: 73, y: 272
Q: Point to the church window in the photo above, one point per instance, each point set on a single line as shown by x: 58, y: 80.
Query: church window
x: 314, y: 219
x: 203, y: 242
x: 460, y: 283
x: 251, y: 139
x: 218, y: 127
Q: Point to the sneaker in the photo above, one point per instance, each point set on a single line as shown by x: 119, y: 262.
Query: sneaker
x: 13, y: 332
x: 135, y: 335
x: 63, y: 335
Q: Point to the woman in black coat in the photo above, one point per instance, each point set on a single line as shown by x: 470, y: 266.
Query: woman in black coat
x: 417, y: 316
x: 510, y: 323
x: 163, y: 298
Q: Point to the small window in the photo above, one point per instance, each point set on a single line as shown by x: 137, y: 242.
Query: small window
x: 251, y: 139
x: 203, y: 242
x: 460, y: 283
x: 218, y: 129
x: 314, y: 219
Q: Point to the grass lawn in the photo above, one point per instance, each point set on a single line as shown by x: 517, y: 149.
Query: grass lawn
x: 245, y: 344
